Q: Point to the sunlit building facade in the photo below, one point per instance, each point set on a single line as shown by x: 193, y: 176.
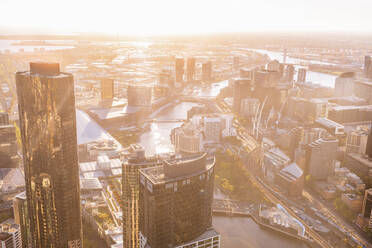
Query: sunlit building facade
x: 176, y: 204
x: 48, y: 130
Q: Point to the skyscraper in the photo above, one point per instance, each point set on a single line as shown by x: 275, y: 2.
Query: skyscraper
x: 179, y: 69
x: 20, y: 212
x: 46, y: 105
x: 367, y: 66
x: 107, y: 88
x: 176, y: 204
x: 130, y: 181
x: 190, y: 70
x: 207, y: 71
x: 301, y: 76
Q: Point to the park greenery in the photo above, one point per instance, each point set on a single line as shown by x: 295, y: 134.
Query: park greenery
x: 233, y: 180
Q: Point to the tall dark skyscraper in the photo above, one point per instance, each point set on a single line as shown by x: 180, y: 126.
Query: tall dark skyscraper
x: 176, y: 204
x: 46, y: 105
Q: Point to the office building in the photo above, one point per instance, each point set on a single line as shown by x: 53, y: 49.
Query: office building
x: 4, y: 119
x: 132, y: 162
x: 289, y: 73
x: 321, y: 156
x: 236, y: 63
x: 176, y: 200
x: 351, y: 114
x: 356, y: 141
x: 10, y: 236
x: 241, y: 89
x: 187, y: 139
x: 20, y: 212
x: 139, y: 95
x: 179, y: 69
x: 291, y: 179
x: 212, y: 129
x: 249, y: 107
x: 266, y: 78
x: 301, y: 76
x: 47, y: 118
x: 367, y: 206
x: 344, y: 84
x: 107, y: 89
x: 190, y: 69
x: 273, y: 65
x: 246, y: 73
x: 207, y: 71
x: 368, y: 66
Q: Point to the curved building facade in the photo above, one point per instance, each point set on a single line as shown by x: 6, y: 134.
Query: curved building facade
x: 176, y: 201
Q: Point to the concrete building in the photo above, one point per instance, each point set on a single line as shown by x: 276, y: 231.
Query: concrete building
x: 301, y: 76
x: 360, y: 165
x: 356, y: 141
x: 289, y: 73
x: 273, y: 65
x: 20, y: 212
x: 179, y: 69
x: 367, y: 206
x: 4, y: 119
x: 176, y: 200
x: 190, y: 70
x: 344, y: 84
x: 212, y: 129
x: 139, y: 95
x: 187, y: 139
x: 10, y: 236
x: 227, y: 125
x: 351, y: 114
x: 107, y: 89
x: 249, y: 107
x: 367, y: 66
x: 291, y: 179
x: 207, y: 71
x: 307, y: 110
x: 241, y: 89
x: 274, y: 160
x: 49, y: 140
x: 321, y: 156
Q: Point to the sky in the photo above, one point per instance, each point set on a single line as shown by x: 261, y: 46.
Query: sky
x: 162, y: 17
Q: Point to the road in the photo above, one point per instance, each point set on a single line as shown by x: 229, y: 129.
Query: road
x: 345, y: 227
x: 264, y: 189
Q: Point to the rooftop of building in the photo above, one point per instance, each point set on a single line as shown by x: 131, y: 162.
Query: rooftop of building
x: 178, y: 169
x: 210, y: 233
x: 292, y: 172
x: 361, y: 158
x: 90, y: 184
x: 328, y: 123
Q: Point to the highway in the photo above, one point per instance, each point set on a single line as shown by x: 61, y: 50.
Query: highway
x: 345, y: 227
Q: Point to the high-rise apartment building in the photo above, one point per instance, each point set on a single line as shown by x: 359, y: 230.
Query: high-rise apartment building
x: 107, y: 88
x: 207, y: 71
x: 130, y: 193
x: 176, y: 204
x: 20, y: 212
x: 367, y: 206
x: 344, y: 84
x: 301, y: 76
x: 187, y: 139
x: 190, y: 70
x: 212, y: 129
x: 368, y: 66
x: 179, y: 69
x: 321, y: 155
x: 289, y: 73
x: 4, y: 119
x: 47, y: 118
x: 241, y: 90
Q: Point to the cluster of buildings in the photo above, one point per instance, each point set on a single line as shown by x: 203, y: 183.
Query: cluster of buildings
x: 201, y: 132
x: 191, y: 66
x: 130, y: 199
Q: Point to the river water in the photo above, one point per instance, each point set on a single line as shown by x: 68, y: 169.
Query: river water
x: 7, y: 45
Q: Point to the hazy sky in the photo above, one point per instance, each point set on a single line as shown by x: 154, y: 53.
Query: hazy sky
x: 146, y: 17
